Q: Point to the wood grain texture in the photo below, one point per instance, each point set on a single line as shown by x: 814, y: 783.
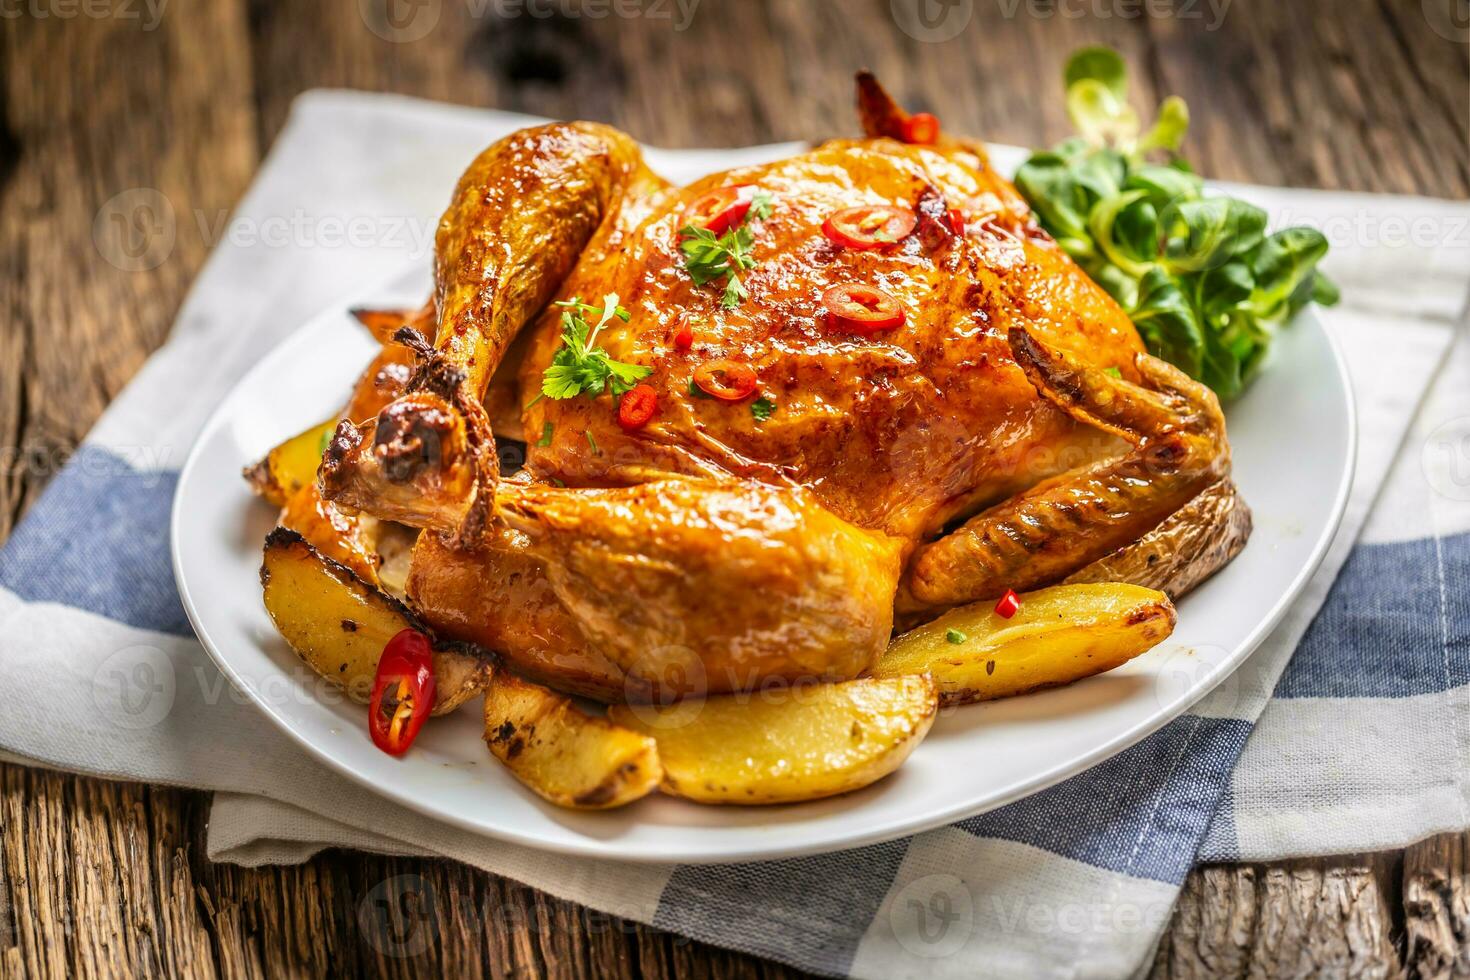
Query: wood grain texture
x: 101, y: 879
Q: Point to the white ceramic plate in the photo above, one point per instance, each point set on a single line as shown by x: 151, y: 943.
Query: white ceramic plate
x: 1293, y: 436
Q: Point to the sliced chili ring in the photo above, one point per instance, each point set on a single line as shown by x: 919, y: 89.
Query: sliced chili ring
x: 922, y: 128
x: 861, y: 308
x: 637, y: 407
x: 404, y: 690
x: 727, y: 380
x: 869, y: 226
x: 721, y: 209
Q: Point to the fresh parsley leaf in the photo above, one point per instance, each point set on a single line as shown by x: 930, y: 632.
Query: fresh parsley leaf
x: 624, y: 376
x: 545, y: 439
x: 602, y: 312
x: 579, y: 366
x: 760, y: 207
x: 709, y: 257
x: 955, y: 637
x: 562, y: 378
x: 735, y: 292
x: 762, y: 408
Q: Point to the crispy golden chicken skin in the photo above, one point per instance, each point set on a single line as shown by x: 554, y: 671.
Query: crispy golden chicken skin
x: 713, y: 547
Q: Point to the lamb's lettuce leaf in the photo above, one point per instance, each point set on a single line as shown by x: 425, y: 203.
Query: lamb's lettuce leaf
x: 1202, y: 280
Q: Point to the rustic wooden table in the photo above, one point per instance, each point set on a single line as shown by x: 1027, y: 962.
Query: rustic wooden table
x: 103, y: 96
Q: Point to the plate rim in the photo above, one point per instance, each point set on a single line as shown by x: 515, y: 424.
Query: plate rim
x: 893, y: 829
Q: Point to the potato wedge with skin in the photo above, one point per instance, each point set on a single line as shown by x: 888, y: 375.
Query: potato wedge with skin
x: 563, y: 754
x: 291, y: 465
x: 338, y: 624
x: 1059, y: 635
x: 809, y: 742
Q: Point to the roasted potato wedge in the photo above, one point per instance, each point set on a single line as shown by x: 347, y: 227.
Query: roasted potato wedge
x: 338, y: 624
x: 291, y: 465
x: 1059, y: 635
x: 809, y: 742
x: 563, y: 754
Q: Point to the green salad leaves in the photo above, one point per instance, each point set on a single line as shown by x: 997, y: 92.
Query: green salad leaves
x: 1201, y: 279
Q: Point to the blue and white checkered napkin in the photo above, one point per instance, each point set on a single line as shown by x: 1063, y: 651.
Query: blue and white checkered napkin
x: 1359, y: 741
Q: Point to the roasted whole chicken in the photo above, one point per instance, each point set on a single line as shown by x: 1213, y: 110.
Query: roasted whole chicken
x: 767, y: 416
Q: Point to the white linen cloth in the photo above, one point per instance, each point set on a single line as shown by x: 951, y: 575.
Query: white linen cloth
x: 1361, y: 741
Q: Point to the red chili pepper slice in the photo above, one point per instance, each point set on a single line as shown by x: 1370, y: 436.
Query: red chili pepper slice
x: 403, y: 692
x: 727, y: 380
x: 860, y: 308
x: 921, y: 127
x: 684, y: 335
x: 1008, y: 604
x: 637, y: 407
x: 721, y: 209
x: 957, y: 222
x: 869, y: 226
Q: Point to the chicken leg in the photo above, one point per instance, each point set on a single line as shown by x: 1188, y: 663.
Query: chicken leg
x: 521, y: 216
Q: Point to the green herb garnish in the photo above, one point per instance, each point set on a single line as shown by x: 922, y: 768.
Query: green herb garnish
x: 546, y: 431
x: 1203, y: 282
x: 762, y: 408
x: 579, y: 366
x: 955, y: 637
x: 708, y: 257
x: 592, y: 442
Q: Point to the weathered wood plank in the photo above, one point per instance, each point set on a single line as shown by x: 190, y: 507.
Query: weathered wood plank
x: 1437, y: 907
x: 1327, y: 917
